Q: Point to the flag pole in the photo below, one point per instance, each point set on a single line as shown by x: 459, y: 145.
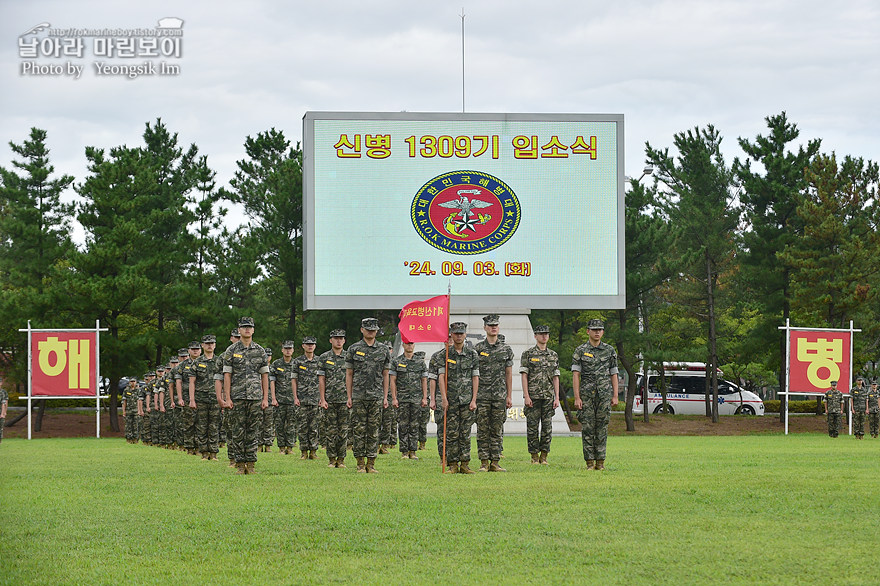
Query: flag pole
x: 446, y: 368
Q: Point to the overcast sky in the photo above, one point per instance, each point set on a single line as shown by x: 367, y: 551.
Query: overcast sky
x: 250, y: 66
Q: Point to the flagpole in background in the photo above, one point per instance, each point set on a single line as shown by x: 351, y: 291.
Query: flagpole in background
x: 446, y: 367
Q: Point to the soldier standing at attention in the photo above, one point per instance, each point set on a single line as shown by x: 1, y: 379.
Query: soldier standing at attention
x: 859, y: 406
x: 246, y: 390
x: 459, y: 381
x: 874, y: 409
x: 186, y: 418
x: 224, y: 411
x: 594, y: 375
x: 173, y: 404
x: 307, y: 396
x: 282, y: 385
x: 160, y: 388
x: 409, y: 385
x: 388, y: 425
x: 434, y: 398
x: 495, y: 394
x: 539, y: 368
x: 833, y: 399
x: 267, y: 428
x: 145, y: 405
x: 4, y: 403
x: 331, y: 385
x: 366, y: 386
x: 203, y: 388
x: 130, y: 411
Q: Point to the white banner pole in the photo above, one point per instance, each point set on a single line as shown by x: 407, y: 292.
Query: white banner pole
x: 97, y: 379
x: 29, y: 379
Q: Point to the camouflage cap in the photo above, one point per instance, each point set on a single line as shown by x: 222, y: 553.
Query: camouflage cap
x: 149, y: 374
x: 183, y: 351
x: 235, y: 333
x: 160, y: 368
x: 873, y: 382
x: 860, y: 378
x: 288, y: 344
x: 174, y: 360
x: 370, y: 323
x: 596, y: 324
x: 833, y: 383
x: 310, y: 340
x: 195, y: 345
x: 458, y: 327
x: 245, y: 322
x: 542, y: 329
x: 337, y: 334
x: 493, y: 319
x: 209, y: 339
x: 268, y: 350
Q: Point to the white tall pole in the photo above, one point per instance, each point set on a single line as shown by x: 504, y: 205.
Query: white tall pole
x: 97, y: 378
x: 29, y: 379
x: 462, y: 59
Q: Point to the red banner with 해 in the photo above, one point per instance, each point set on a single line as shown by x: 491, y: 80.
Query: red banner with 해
x: 425, y: 321
x: 818, y: 357
x: 63, y: 364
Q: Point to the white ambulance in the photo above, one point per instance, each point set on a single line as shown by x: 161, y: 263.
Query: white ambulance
x: 686, y: 392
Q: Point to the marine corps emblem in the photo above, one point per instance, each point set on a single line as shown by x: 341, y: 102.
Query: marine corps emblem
x: 465, y: 212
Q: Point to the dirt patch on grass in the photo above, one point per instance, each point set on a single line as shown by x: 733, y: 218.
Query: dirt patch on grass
x: 63, y: 424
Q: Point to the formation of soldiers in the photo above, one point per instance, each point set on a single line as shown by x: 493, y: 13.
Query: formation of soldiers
x: 863, y: 402
x: 363, y: 399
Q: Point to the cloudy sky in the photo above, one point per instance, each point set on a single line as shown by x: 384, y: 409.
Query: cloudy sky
x: 245, y: 67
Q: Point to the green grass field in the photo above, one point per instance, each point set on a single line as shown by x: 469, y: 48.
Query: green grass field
x: 668, y: 510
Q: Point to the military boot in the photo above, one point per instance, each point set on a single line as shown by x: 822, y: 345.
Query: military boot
x: 484, y: 465
x: 452, y: 468
x: 412, y: 456
x: 305, y: 455
x: 340, y: 462
x: 371, y: 466
x: 543, y: 458
x: 536, y: 458
x: 494, y: 467
x: 205, y: 456
x: 463, y: 468
x: 591, y: 464
x: 421, y: 445
x: 313, y: 455
x: 361, y: 467
x: 212, y: 456
x: 404, y: 455
x: 240, y: 468
x: 600, y: 464
x: 250, y: 468
x: 383, y: 449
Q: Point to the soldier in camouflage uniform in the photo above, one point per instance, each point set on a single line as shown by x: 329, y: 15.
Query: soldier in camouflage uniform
x: 267, y: 428
x: 4, y: 403
x: 495, y: 395
x: 130, y: 411
x: 388, y: 425
x: 539, y: 369
x: 307, y: 396
x: 203, y: 388
x: 160, y: 387
x: 594, y: 375
x: 409, y: 388
x: 833, y: 400
x: 246, y: 388
x: 859, y: 406
x: 282, y: 373
x: 874, y: 409
x: 459, y: 381
x: 331, y: 384
x: 187, y: 412
x: 224, y: 411
x: 435, y: 398
x: 366, y: 384
x: 172, y: 403
x: 145, y: 406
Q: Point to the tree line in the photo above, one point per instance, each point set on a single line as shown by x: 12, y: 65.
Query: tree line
x: 718, y: 254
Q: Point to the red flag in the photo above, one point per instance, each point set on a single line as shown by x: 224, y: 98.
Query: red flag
x: 425, y: 321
